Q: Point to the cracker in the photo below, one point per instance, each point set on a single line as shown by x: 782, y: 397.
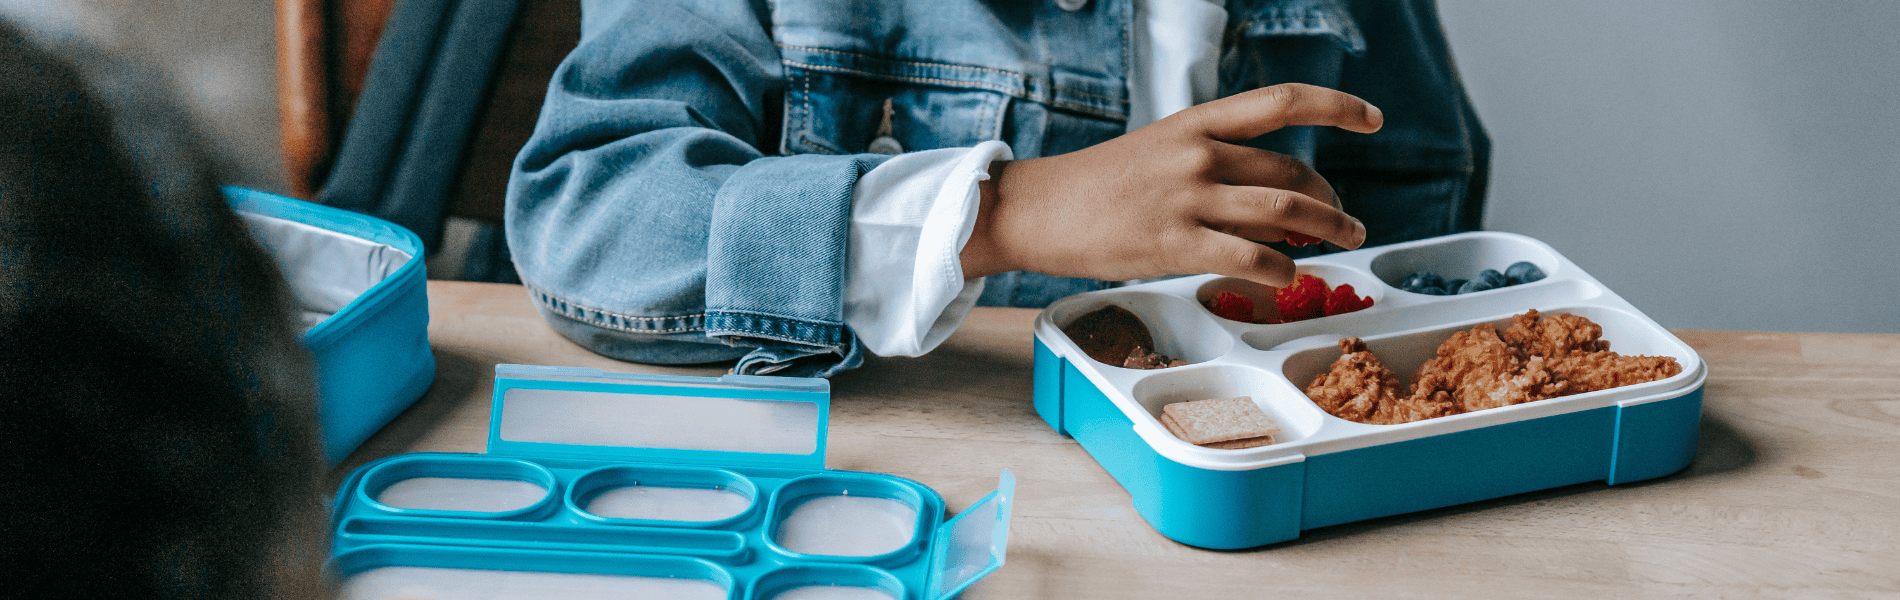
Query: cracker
x: 1252, y: 442
x: 1202, y: 422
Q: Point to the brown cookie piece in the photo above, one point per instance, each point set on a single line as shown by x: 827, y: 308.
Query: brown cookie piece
x: 1110, y: 334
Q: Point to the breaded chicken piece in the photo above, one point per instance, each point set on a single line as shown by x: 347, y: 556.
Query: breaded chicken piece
x: 1478, y: 370
x: 1416, y: 407
x: 1592, y: 371
x: 1555, y: 335
x: 1356, y: 385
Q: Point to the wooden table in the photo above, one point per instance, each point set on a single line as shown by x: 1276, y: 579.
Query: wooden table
x: 1795, y: 490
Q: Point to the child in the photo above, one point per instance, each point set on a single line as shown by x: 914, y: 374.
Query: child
x: 711, y: 181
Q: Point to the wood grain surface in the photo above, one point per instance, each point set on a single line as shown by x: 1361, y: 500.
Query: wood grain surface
x: 1794, y: 492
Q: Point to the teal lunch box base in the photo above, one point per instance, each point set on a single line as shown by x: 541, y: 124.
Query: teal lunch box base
x: 372, y: 354
x: 656, y: 486
x: 1226, y: 509
x: 1322, y: 470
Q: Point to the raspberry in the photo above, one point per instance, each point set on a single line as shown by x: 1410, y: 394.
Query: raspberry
x: 1297, y: 239
x: 1231, y: 306
x: 1305, y: 299
x: 1344, y: 300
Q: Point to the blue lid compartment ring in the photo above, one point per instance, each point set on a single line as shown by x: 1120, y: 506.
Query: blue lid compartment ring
x: 662, y: 495
x: 850, y: 517
x: 458, y: 486
x: 837, y: 582
x: 395, y: 571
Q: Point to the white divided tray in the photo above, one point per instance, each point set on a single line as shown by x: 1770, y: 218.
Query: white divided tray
x: 1324, y: 470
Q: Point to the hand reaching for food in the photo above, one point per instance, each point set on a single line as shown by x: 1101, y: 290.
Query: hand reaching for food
x: 1179, y: 196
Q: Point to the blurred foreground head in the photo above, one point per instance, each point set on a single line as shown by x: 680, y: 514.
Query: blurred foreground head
x: 157, y: 428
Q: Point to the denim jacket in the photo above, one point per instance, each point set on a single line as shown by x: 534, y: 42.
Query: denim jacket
x: 686, y: 194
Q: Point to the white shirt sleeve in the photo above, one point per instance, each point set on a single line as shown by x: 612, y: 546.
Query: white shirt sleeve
x: 904, y: 286
x: 910, y: 217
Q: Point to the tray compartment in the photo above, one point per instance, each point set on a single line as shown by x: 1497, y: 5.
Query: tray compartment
x: 1462, y: 257
x: 828, y: 582
x: 395, y: 571
x: 662, y: 495
x: 1627, y: 333
x: 849, y: 517
x: 1297, y: 416
x: 466, y: 487
x: 1363, y: 283
x: 1181, y: 328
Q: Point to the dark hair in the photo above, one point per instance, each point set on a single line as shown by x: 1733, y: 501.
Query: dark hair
x: 157, y: 428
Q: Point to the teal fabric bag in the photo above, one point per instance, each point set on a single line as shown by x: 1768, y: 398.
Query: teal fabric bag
x: 362, y: 291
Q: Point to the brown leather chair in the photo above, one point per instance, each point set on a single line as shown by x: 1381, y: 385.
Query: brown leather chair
x: 325, y: 50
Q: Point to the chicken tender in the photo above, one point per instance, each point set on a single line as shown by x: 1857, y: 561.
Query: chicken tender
x: 1357, y: 385
x: 1478, y: 370
x: 1554, y: 335
x: 1591, y: 371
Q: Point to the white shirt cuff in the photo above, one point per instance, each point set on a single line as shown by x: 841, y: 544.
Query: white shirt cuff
x: 910, y: 217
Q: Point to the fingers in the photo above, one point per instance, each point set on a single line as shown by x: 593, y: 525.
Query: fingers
x: 1224, y: 254
x: 1243, y: 165
x: 1256, y: 213
x: 1245, y: 116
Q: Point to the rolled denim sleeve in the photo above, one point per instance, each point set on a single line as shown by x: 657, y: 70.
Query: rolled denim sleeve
x: 647, y: 222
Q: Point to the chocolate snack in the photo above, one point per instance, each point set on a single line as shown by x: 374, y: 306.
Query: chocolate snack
x: 1109, y: 334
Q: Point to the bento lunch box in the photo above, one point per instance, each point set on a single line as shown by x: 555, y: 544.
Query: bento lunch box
x: 601, y: 485
x: 1324, y: 470
x: 362, y: 296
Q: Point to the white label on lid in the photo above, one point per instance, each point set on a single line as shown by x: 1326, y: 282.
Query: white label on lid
x: 656, y: 421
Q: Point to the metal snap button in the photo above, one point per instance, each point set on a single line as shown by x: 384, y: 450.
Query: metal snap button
x: 1072, y: 5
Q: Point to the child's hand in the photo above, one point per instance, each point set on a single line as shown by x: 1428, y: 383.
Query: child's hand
x: 1179, y: 196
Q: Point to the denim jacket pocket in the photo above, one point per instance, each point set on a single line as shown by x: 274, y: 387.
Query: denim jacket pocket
x: 835, y: 102
x: 1280, y: 18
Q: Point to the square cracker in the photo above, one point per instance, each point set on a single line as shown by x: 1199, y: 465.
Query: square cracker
x: 1203, y: 422
x: 1252, y: 442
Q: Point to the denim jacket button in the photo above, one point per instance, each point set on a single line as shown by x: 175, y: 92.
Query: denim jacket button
x: 1072, y: 5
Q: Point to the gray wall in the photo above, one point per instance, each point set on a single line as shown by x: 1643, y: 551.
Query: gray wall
x: 1720, y: 164
x: 1723, y: 165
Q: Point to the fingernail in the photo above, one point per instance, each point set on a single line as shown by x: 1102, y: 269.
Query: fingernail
x: 1358, y: 233
x: 1374, y: 115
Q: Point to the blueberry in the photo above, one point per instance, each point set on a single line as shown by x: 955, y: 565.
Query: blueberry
x: 1418, y: 281
x: 1451, y: 287
x: 1523, y: 272
x: 1476, y: 285
x: 1493, y: 278
x: 1434, y: 291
